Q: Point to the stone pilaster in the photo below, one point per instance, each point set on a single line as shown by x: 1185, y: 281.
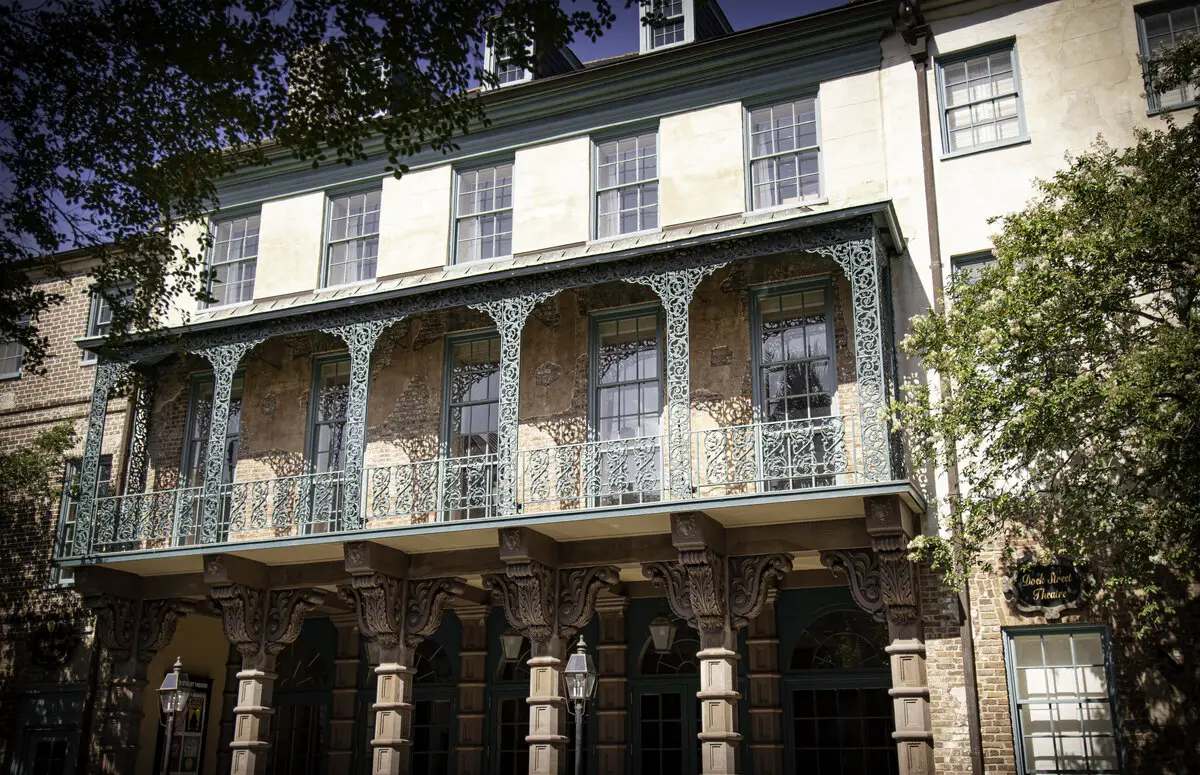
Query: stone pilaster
x: 343, y: 735
x: 883, y: 583
x: 228, y: 702
x: 548, y: 606
x: 394, y: 615
x: 716, y: 596
x: 131, y: 632
x: 766, y: 715
x: 472, y: 683
x: 260, y: 623
x: 612, y: 710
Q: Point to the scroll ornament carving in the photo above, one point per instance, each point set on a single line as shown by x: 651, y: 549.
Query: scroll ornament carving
x: 750, y: 579
x: 897, y: 585
x: 861, y: 569
x: 285, y: 616
x: 376, y: 598
x: 136, y: 629
x: 526, y: 590
x: 670, y: 578
x: 427, y: 601
x: 579, y: 588
x: 705, y: 573
x: 241, y: 616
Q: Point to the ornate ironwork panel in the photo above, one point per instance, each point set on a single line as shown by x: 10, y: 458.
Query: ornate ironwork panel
x: 139, y: 459
x: 509, y: 315
x: 861, y: 262
x: 675, y: 289
x: 360, y: 338
x: 108, y: 374
x: 224, y: 359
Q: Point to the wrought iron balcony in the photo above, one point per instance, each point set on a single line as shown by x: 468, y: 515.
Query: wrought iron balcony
x: 744, y: 460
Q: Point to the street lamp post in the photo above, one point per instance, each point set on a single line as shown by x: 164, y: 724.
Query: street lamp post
x: 580, y: 678
x: 173, y: 696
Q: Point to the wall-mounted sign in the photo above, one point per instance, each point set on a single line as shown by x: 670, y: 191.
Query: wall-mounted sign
x: 1045, y: 588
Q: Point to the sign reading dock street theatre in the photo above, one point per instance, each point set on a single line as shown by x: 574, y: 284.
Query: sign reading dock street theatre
x: 1045, y: 588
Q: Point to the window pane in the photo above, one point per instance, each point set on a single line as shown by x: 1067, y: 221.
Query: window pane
x: 979, y: 101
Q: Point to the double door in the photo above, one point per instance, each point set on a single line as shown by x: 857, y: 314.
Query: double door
x: 666, y: 722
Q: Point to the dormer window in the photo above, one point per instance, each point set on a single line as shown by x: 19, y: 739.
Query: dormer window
x: 670, y: 29
x: 501, y: 64
x: 667, y: 23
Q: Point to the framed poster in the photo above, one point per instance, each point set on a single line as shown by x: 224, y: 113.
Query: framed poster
x: 186, y: 754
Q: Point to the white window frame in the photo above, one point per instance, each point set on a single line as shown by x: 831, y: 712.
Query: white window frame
x: 212, y: 251
x: 95, y: 327
x: 1011, y: 635
x: 330, y: 242
x: 959, y: 57
x: 459, y: 218
x: 492, y: 62
x: 598, y: 190
x: 817, y: 198
x: 9, y: 349
x: 1154, y: 99
x: 647, y: 30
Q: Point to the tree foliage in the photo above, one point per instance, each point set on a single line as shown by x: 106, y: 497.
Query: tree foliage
x: 31, y: 474
x: 117, y: 117
x: 1073, y: 372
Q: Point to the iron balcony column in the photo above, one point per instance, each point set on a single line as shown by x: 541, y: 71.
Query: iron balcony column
x: 108, y: 374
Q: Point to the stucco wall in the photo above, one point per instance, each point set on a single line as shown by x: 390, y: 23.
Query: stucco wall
x: 550, y: 195
x: 289, y: 246
x: 701, y: 164
x: 414, y: 228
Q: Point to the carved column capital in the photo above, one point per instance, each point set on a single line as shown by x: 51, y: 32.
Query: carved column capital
x: 262, y: 623
x: 427, y: 601
x: 861, y: 569
x: 751, y: 580
x: 135, y: 630
x: 578, y: 590
x: 526, y: 591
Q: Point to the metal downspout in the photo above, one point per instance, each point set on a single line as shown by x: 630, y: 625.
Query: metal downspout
x: 916, y: 34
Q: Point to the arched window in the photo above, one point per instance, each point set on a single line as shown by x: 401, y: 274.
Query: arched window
x: 431, y: 664
x: 681, y: 659
x: 841, y: 639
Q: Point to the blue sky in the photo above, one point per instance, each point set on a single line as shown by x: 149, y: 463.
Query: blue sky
x: 742, y: 14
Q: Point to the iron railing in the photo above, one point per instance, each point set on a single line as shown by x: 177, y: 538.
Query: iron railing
x: 747, y: 459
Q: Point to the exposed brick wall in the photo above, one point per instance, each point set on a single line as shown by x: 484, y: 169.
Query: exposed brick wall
x: 30, y: 405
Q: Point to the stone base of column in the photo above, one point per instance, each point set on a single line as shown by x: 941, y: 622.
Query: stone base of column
x: 391, y: 746
x: 719, y: 738
x: 547, y: 717
x: 252, y: 722
x: 910, y: 706
x: 122, y: 724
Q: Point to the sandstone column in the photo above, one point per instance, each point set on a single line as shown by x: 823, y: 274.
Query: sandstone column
x: 766, y: 715
x: 344, y: 736
x: 260, y: 623
x: 716, y: 596
x: 548, y: 606
x: 131, y: 631
x: 394, y: 615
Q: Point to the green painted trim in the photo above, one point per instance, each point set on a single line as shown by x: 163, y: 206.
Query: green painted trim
x: 593, y: 345
x: 491, y: 523
x: 337, y: 192
x: 1154, y: 107
x: 954, y: 57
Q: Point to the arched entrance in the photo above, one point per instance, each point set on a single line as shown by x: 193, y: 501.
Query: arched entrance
x: 837, y: 710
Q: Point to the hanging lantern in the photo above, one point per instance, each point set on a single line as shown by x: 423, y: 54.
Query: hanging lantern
x: 511, y: 642
x: 662, y: 633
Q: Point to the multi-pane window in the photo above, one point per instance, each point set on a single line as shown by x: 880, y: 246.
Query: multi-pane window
x: 68, y: 509
x: 234, y: 260
x: 99, y: 322
x: 627, y: 394
x: 967, y: 269
x: 796, y: 379
x: 795, y: 389
x: 785, y: 158
x: 473, y: 415
x: 627, y: 185
x: 352, y: 245
x: 671, y: 27
x: 1166, y: 28
x: 981, y: 101
x: 512, y: 726
x: 331, y: 397
x: 199, y: 422
x: 484, y: 220
x: 12, y: 355
x: 1064, y: 718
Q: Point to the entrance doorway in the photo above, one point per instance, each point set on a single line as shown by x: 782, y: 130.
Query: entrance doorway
x: 666, y: 714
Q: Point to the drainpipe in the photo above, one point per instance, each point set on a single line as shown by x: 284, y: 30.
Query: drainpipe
x: 917, y: 35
